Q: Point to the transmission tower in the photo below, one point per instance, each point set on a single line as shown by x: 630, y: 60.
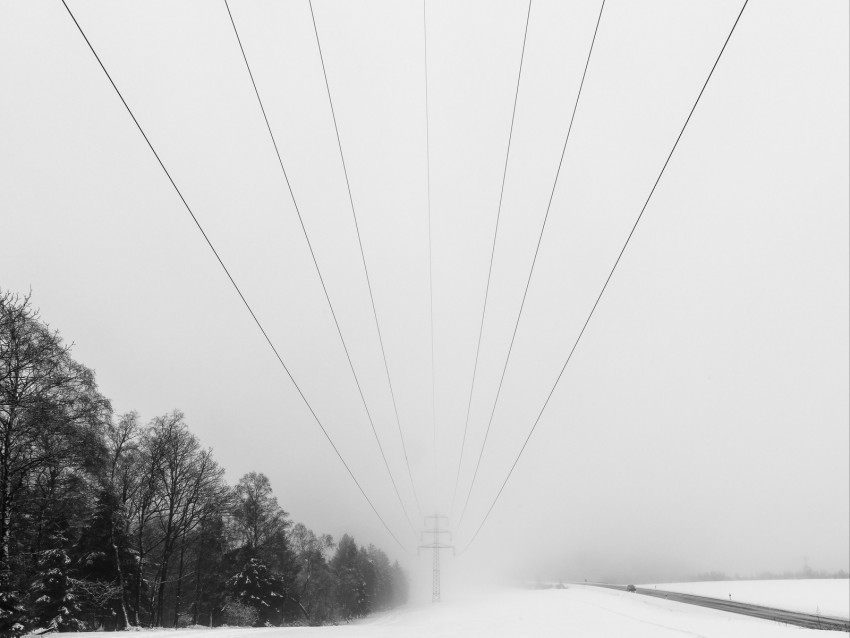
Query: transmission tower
x: 436, y: 545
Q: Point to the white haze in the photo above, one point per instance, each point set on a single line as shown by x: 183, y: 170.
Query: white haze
x: 703, y: 421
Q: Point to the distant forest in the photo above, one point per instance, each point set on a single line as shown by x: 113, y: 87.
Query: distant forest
x: 107, y: 522
x: 806, y: 572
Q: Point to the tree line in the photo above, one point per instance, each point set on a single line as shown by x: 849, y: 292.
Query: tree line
x: 107, y: 522
x: 801, y: 574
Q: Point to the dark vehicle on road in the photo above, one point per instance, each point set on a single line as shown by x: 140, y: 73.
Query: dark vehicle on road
x: 630, y: 588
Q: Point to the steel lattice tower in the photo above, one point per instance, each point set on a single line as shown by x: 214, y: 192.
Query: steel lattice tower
x: 436, y: 545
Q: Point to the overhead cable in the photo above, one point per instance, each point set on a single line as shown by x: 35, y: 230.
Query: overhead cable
x: 610, y: 274
x: 533, y: 262
x: 492, y: 256
x: 318, y: 270
x: 363, y: 258
x: 232, y: 281
x: 430, y: 252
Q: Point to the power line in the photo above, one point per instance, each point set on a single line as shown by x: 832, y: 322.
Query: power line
x: 363, y: 258
x: 533, y: 262
x: 430, y: 260
x: 318, y: 270
x: 610, y: 274
x: 232, y: 281
x: 492, y: 256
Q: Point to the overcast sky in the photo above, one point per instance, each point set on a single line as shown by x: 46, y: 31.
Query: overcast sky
x: 702, y: 423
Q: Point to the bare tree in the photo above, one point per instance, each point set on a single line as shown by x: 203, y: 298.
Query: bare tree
x: 206, y: 496
x: 45, y: 396
x: 257, y: 518
x: 178, y: 449
x: 123, y: 485
x: 313, y: 580
x: 143, y: 506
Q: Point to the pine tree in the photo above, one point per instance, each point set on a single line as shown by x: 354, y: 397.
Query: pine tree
x: 11, y: 609
x: 380, y: 592
x: 352, y: 597
x: 55, y: 601
x: 369, y: 576
x: 400, y: 585
x: 258, y: 587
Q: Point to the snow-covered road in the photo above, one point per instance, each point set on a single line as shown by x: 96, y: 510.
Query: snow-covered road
x: 576, y: 611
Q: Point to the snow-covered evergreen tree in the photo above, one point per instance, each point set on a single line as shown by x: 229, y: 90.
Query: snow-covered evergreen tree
x: 258, y: 587
x: 55, y: 604
x: 11, y: 609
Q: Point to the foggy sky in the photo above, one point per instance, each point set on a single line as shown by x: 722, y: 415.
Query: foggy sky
x: 703, y: 421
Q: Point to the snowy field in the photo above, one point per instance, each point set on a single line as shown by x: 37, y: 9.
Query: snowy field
x: 576, y: 611
x: 830, y: 597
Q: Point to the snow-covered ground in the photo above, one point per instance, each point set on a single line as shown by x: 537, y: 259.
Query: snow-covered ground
x: 830, y: 597
x: 576, y: 611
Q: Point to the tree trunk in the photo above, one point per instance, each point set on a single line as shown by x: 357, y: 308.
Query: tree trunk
x: 140, y: 565
x: 179, y: 582
x: 123, y: 619
x: 4, y: 526
x: 161, y: 582
x: 301, y: 607
x: 151, y: 602
x: 5, y: 495
x: 199, y: 588
x: 167, y: 547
